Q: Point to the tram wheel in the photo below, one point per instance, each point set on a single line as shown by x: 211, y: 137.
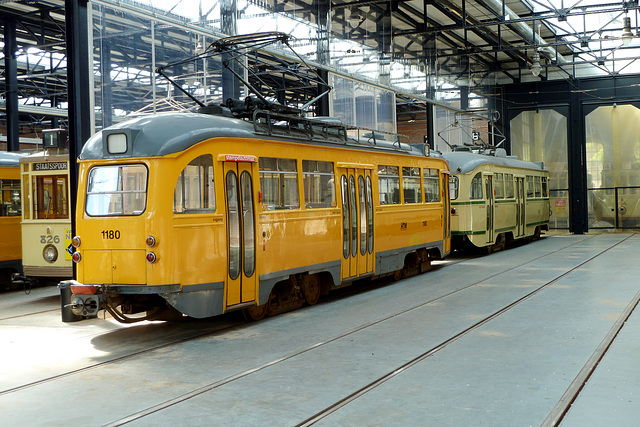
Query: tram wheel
x: 255, y: 313
x: 311, y: 290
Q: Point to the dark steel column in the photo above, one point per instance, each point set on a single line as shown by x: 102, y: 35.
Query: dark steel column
x: 322, y: 54
x: 79, y: 90
x: 11, y: 85
x: 578, y: 209
x: 229, y: 26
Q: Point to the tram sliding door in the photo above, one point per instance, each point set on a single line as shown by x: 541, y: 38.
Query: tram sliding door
x: 488, y: 179
x: 241, y: 251
x: 520, y: 201
x: 357, y: 222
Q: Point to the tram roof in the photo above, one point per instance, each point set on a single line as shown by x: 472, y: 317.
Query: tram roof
x: 465, y: 161
x: 10, y: 158
x: 168, y: 133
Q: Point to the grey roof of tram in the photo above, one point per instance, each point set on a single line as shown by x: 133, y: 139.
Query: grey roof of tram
x: 468, y: 161
x: 168, y: 133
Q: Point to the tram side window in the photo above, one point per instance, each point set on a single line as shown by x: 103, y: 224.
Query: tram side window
x: 279, y: 183
x: 475, y: 192
x: 545, y: 187
x: 529, y: 187
x: 389, y: 183
x: 195, y: 187
x: 431, y: 185
x: 538, y: 187
x: 50, y: 196
x: 509, y: 191
x: 453, y: 187
x: 117, y: 190
x: 10, y: 190
x: 319, y: 184
x: 499, y: 186
x: 411, y: 185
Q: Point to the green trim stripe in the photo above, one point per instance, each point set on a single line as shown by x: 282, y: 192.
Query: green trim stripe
x: 500, y: 230
x: 479, y: 202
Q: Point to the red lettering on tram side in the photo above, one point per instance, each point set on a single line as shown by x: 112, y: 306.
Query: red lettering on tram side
x: 239, y: 158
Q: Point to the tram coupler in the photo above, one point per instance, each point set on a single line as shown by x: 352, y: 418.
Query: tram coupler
x: 77, y: 306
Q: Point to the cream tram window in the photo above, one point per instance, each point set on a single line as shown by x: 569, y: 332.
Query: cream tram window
x: 545, y: 187
x: 10, y: 190
x: 509, y: 191
x: 50, y: 196
x: 319, y: 185
x: 117, y: 190
x: 498, y: 186
x: 195, y: 189
x: 279, y: 183
x: 538, y: 187
x: 530, y: 191
x: 475, y: 192
x: 389, y: 184
x: 431, y: 185
x: 454, y: 186
x: 411, y: 185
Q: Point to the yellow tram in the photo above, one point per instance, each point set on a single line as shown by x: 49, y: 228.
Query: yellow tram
x: 496, y: 198
x: 10, y: 194
x: 46, y: 224
x: 208, y: 214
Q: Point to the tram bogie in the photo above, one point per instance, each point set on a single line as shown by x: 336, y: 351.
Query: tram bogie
x: 496, y: 199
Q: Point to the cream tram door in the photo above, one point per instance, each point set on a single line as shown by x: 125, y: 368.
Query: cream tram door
x: 520, y: 210
x: 357, y: 222
x: 241, y: 227
x: 488, y: 180
x: 447, y: 209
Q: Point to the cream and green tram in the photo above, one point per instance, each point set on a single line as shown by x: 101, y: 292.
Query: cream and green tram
x: 496, y: 199
x: 46, y: 224
x: 206, y: 214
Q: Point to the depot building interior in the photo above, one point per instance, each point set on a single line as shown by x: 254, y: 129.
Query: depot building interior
x: 554, y: 82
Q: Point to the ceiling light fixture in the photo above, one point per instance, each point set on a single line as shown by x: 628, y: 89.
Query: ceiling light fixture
x: 626, y: 35
x: 535, y: 66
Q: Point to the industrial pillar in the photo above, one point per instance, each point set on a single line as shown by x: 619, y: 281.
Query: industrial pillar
x: 79, y: 93
x: 11, y: 85
x: 229, y: 26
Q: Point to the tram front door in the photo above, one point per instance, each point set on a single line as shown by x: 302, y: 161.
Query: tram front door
x: 490, y: 206
x: 520, y: 202
x: 357, y: 222
x: 241, y: 251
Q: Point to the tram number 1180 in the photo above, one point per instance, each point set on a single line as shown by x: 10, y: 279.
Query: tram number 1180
x: 110, y: 234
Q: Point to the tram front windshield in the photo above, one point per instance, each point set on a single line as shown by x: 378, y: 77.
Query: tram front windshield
x: 117, y: 190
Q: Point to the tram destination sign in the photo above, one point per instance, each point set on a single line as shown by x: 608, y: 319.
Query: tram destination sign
x: 50, y: 166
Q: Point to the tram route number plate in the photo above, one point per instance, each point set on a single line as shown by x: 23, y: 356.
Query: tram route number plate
x: 50, y: 166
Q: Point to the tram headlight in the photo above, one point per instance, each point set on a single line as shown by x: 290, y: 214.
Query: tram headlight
x: 151, y: 257
x: 75, y: 242
x: 50, y: 253
x: 76, y: 257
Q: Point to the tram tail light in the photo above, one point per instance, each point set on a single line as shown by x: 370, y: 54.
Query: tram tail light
x: 151, y: 241
x: 84, y: 289
x: 75, y: 242
x: 151, y: 257
x: 453, y: 211
x: 76, y: 257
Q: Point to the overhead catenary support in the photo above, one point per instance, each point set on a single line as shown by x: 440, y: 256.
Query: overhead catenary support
x: 11, y: 85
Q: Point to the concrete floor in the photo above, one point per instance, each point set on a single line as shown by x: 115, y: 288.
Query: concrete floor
x: 526, y: 321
